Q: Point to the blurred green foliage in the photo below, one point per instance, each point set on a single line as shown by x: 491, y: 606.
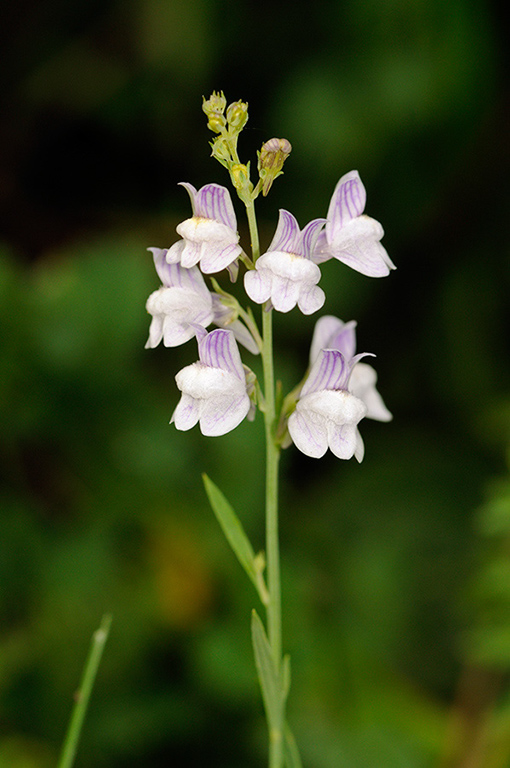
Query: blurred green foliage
x: 397, y: 571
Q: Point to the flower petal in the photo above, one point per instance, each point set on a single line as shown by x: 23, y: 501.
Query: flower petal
x: 311, y: 299
x: 216, y: 260
x: 362, y: 384
x: 343, y: 440
x: 174, y: 254
x: 186, y: 413
x: 214, y: 202
x: 308, y: 435
x: 222, y: 414
x: 347, y: 203
x: 322, y: 250
x: 329, y: 372
x: 192, y: 192
x: 219, y: 350
x: 357, y: 245
x: 332, y: 333
x: 309, y: 237
x: 257, y: 284
x: 287, y: 235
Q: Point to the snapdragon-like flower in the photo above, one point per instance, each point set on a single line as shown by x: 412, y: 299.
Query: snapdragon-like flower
x: 209, y: 237
x: 183, y: 303
x: 350, y: 236
x: 332, y: 333
x: 179, y: 305
x: 214, y: 389
x: 285, y: 274
x: 327, y: 414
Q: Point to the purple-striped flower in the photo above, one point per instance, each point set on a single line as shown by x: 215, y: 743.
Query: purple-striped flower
x: 209, y: 237
x: 214, y: 389
x: 327, y: 414
x: 179, y: 305
x: 285, y: 275
x: 332, y: 333
x: 350, y: 236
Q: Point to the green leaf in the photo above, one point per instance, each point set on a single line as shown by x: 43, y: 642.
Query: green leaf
x: 285, y: 676
x: 236, y: 537
x: 268, y: 676
x: 292, y: 759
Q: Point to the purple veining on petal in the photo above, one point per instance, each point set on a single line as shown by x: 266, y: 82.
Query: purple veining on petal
x: 328, y: 372
x: 286, y: 237
x: 213, y: 202
x: 309, y: 237
x: 348, y: 201
x: 219, y: 350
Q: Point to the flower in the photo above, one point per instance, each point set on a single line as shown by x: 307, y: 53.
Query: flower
x: 349, y: 236
x: 214, y: 389
x: 285, y: 274
x: 332, y: 333
x: 327, y: 414
x: 209, y: 237
x: 179, y: 305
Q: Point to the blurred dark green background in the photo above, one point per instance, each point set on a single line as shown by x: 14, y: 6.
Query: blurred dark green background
x: 396, y: 571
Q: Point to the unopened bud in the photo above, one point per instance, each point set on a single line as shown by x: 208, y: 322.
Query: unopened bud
x: 240, y: 176
x: 216, y: 123
x: 215, y: 103
x: 237, y: 115
x: 271, y: 159
x: 214, y: 108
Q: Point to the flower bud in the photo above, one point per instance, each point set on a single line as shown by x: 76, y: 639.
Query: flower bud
x: 237, y: 115
x: 215, y: 103
x: 214, y: 108
x: 271, y: 159
x: 240, y: 176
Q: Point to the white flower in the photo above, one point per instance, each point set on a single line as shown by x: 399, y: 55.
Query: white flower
x: 210, y: 236
x: 327, y: 414
x: 214, y: 389
x: 183, y: 305
x: 332, y: 333
x: 349, y: 236
x: 285, y: 275
x: 179, y: 305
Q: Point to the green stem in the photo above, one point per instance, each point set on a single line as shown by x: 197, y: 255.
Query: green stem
x: 83, y: 695
x: 274, y: 608
x: 254, y: 232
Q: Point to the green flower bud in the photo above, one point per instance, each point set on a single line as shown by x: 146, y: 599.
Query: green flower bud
x: 216, y: 103
x: 214, y: 108
x: 240, y: 176
x: 237, y: 115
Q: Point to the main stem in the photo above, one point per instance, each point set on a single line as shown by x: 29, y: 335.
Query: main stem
x: 274, y: 607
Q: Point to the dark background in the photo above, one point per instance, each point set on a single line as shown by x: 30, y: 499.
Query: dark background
x: 396, y: 572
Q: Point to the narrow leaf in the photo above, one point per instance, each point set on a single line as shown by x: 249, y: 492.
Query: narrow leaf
x: 292, y: 759
x: 235, y: 534
x: 268, y: 677
x: 285, y: 685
